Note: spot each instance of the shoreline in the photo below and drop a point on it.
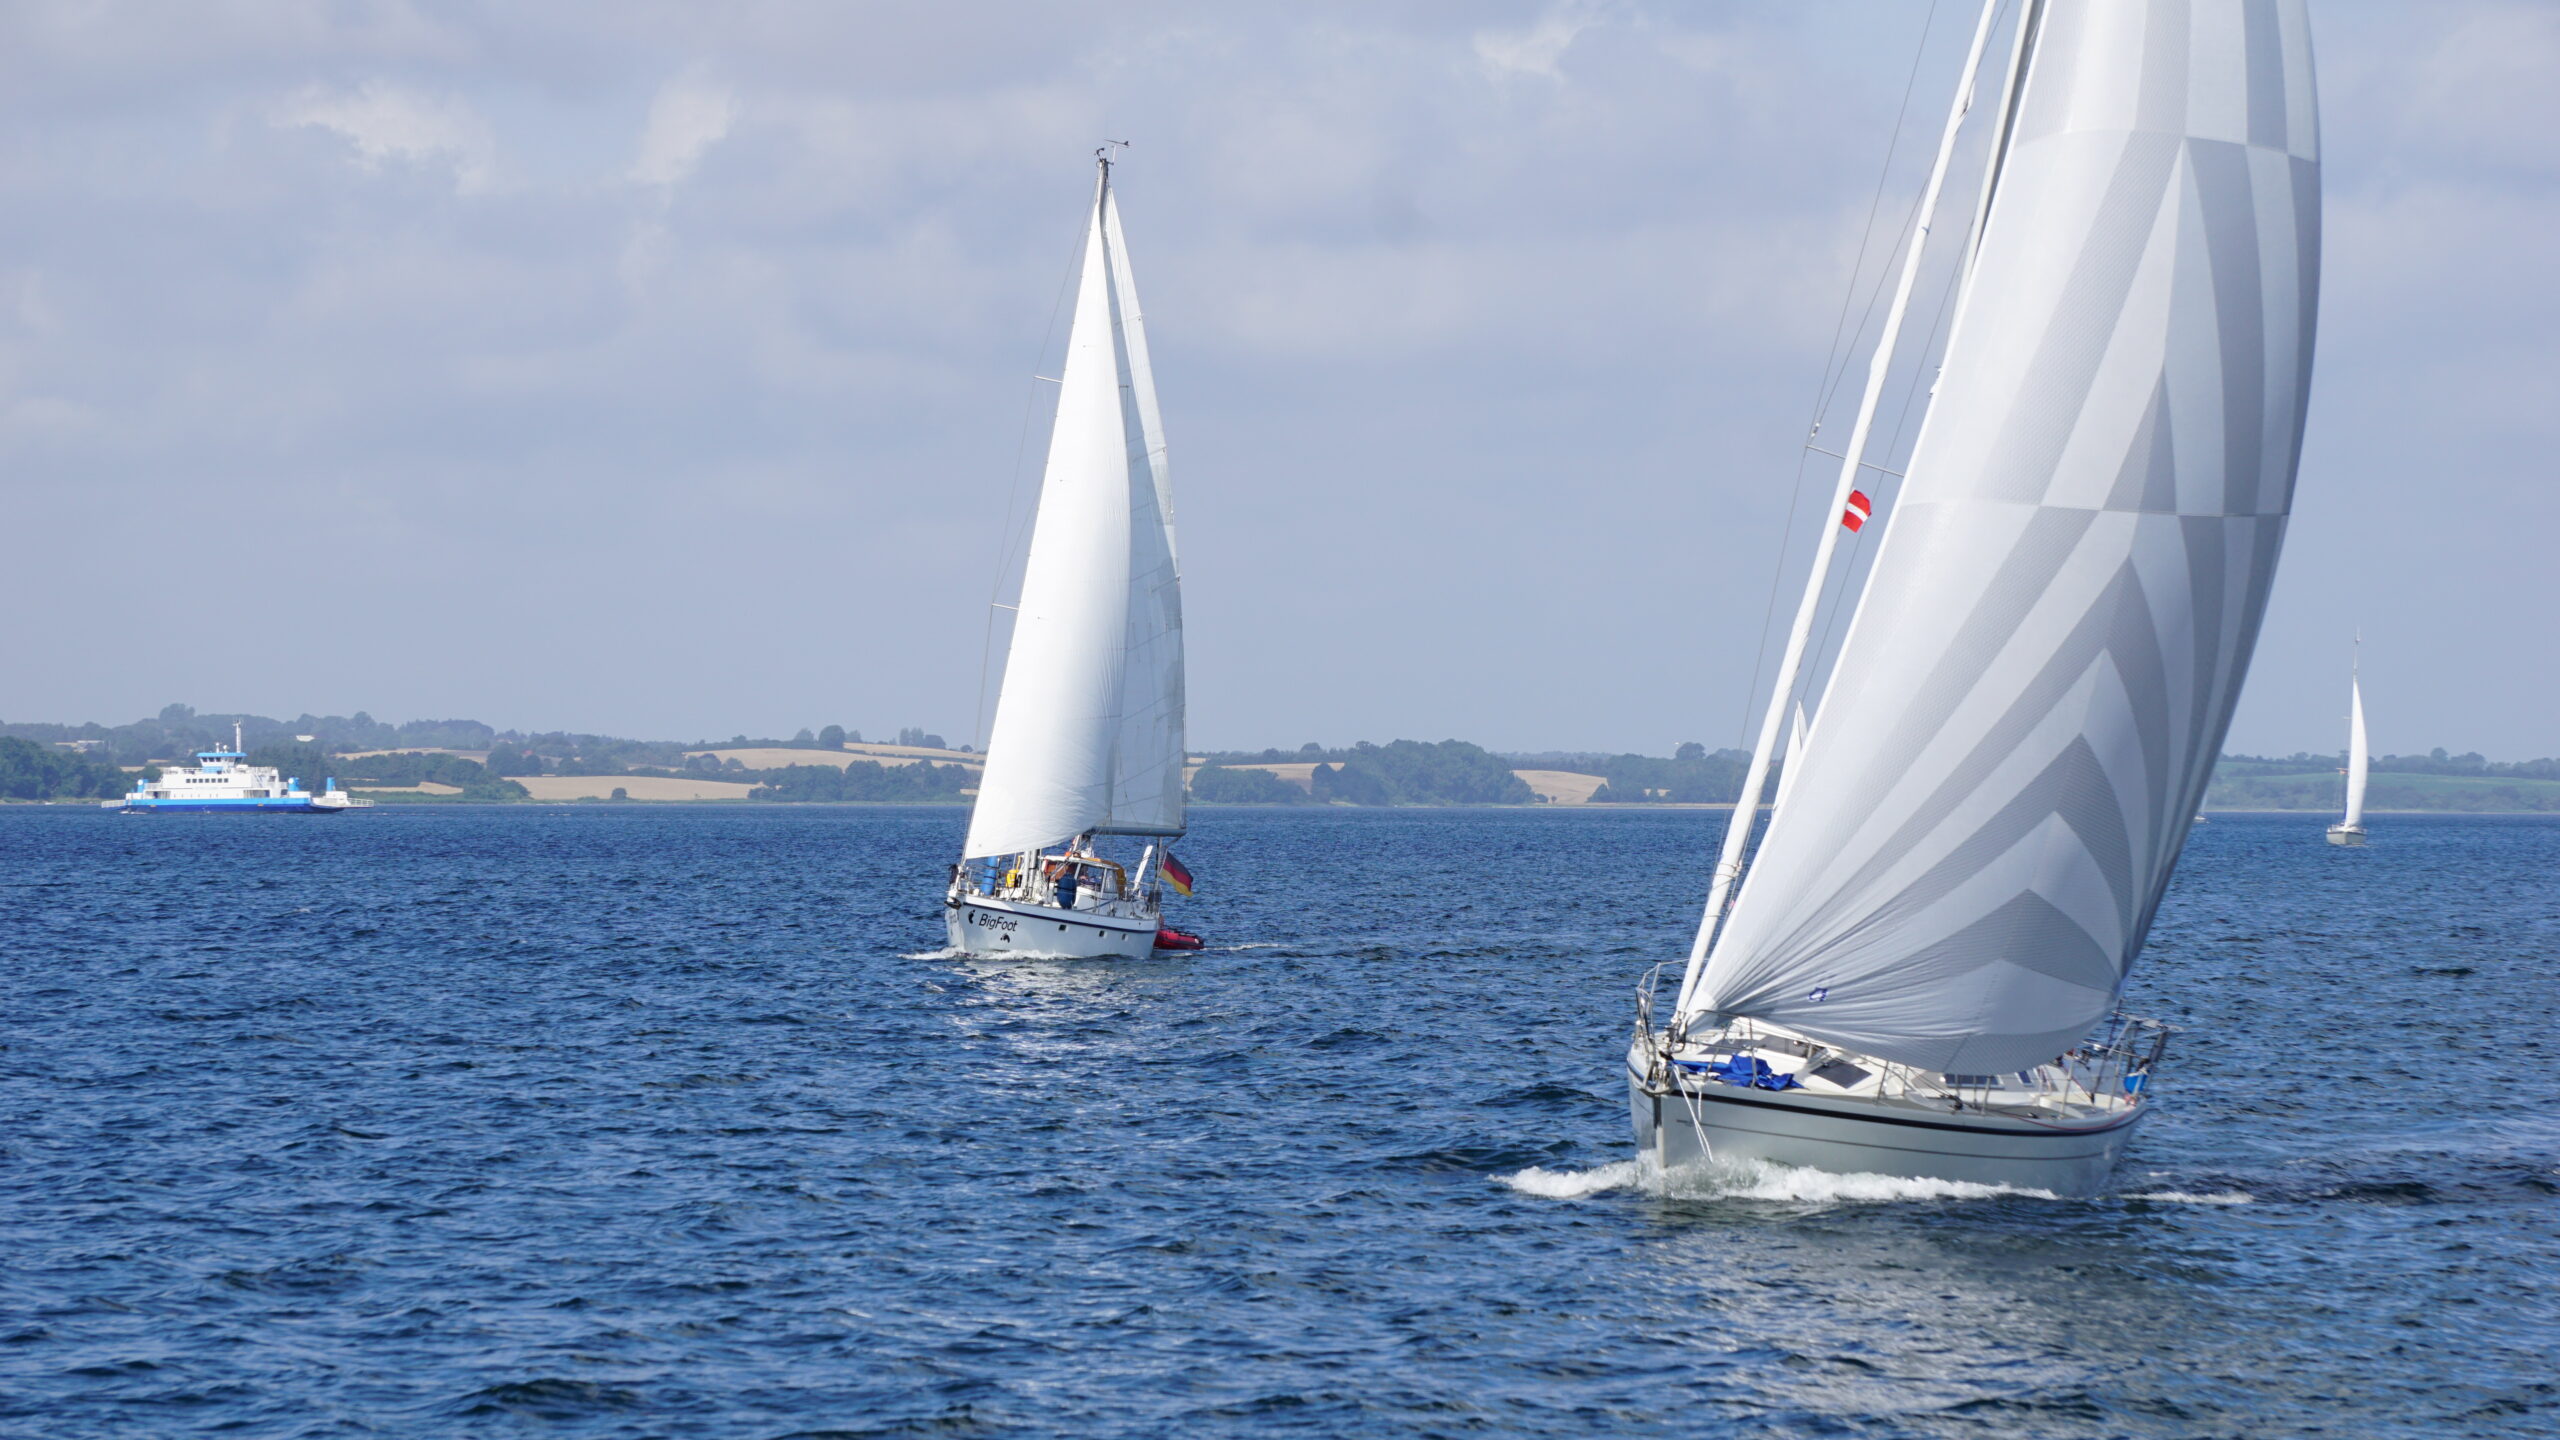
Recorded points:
(396, 800)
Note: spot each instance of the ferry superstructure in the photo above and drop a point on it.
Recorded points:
(225, 780)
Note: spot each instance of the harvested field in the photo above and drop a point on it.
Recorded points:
(1561, 787)
(638, 787)
(775, 757)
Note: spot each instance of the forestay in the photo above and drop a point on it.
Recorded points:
(2030, 698)
(1088, 732)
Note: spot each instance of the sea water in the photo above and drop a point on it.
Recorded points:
(633, 1121)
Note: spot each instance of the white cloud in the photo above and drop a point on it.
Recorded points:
(687, 118)
(388, 122)
(1388, 257)
(1539, 49)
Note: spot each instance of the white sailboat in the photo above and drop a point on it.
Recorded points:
(1918, 973)
(1088, 736)
(2350, 830)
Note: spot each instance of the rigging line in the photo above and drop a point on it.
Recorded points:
(1835, 363)
(1769, 612)
(1823, 390)
(1923, 379)
(1901, 237)
(1013, 502)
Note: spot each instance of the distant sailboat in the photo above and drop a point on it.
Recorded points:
(2350, 831)
(1918, 973)
(1088, 737)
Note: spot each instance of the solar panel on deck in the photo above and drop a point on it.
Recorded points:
(1842, 1074)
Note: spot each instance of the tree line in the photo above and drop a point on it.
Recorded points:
(1402, 772)
(30, 770)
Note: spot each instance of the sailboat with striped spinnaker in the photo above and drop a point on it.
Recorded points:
(1918, 972)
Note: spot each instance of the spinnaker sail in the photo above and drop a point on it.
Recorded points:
(2039, 674)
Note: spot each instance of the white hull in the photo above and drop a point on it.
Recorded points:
(1913, 1133)
(2346, 834)
(983, 927)
(1704, 1118)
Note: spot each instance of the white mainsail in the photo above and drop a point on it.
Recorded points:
(1088, 732)
(2355, 753)
(2030, 698)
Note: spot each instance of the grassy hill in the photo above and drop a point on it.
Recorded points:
(2383, 791)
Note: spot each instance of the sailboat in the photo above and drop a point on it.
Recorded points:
(1088, 734)
(2350, 830)
(1918, 970)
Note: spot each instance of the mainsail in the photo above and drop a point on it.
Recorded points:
(2355, 753)
(2030, 698)
(1088, 731)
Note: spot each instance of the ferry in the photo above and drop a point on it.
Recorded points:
(225, 780)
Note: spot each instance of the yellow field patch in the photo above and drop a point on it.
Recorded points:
(775, 757)
(1561, 787)
(636, 787)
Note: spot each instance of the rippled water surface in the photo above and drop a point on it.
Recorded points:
(631, 1121)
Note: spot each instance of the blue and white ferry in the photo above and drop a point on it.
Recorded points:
(225, 780)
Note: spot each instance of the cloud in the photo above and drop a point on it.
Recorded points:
(1539, 49)
(1438, 335)
(687, 118)
(387, 123)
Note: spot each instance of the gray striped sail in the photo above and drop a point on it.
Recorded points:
(2028, 704)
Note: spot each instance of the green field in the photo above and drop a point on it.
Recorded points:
(2326, 790)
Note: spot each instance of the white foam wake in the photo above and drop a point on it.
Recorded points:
(2189, 1197)
(1761, 1180)
(1574, 1184)
(1739, 1179)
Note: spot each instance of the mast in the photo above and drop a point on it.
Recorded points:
(1746, 806)
(2007, 119)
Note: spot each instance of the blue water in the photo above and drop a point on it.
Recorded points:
(638, 1122)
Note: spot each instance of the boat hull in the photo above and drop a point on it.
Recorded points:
(982, 927)
(2345, 835)
(206, 807)
(1706, 1119)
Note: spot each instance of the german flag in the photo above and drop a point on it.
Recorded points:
(1173, 873)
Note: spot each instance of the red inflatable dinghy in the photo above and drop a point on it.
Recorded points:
(1168, 938)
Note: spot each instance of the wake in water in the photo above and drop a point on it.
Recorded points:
(1741, 1179)
(1013, 956)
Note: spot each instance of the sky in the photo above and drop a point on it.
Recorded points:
(666, 370)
